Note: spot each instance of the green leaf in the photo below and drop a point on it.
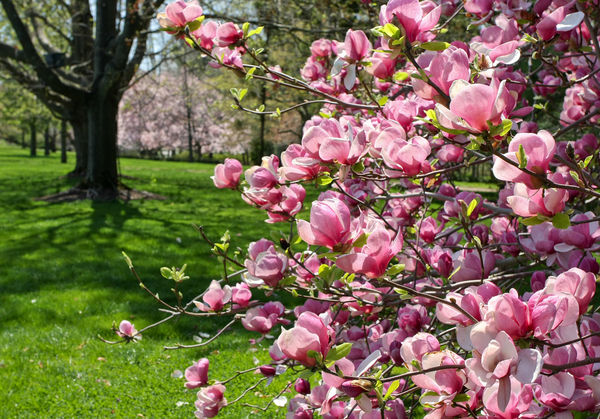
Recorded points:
(587, 161)
(435, 45)
(395, 269)
(532, 221)
(127, 260)
(390, 30)
(505, 127)
(324, 179)
(472, 207)
(461, 398)
(382, 100)
(561, 221)
(361, 241)
(339, 351)
(401, 76)
(166, 272)
(195, 24)
(256, 31)
(242, 93)
(316, 355)
(393, 386)
(521, 157)
(358, 167)
(250, 73)
(245, 28)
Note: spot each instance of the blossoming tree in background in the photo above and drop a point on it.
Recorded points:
(420, 298)
(152, 129)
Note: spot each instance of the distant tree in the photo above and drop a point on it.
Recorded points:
(152, 129)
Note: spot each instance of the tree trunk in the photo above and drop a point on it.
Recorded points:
(47, 141)
(63, 141)
(52, 139)
(32, 141)
(80, 136)
(101, 175)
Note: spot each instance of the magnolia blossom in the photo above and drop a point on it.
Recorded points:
(413, 16)
(373, 258)
(128, 331)
(227, 175)
(215, 298)
(197, 374)
(473, 106)
(178, 14)
(330, 224)
(262, 319)
(538, 149)
(210, 401)
(308, 334)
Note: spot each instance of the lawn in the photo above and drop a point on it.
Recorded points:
(63, 281)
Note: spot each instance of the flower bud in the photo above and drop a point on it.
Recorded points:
(302, 386)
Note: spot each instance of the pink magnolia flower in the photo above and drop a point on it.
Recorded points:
(228, 34)
(406, 156)
(472, 106)
(413, 16)
(197, 374)
(345, 150)
(298, 164)
(227, 175)
(205, 34)
(308, 334)
(549, 311)
(290, 203)
(265, 263)
(373, 258)
(497, 360)
(428, 229)
(215, 298)
(178, 14)
(210, 401)
(128, 331)
(330, 224)
(382, 65)
(452, 208)
(473, 301)
(262, 319)
(479, 8)
(445, 383)
(506, 312)
(321, 48)
(356, 46)
(583, 235)
(469, 265)
(443, 68)
(539, 150)
(528, 202)
(575, 282)
(241, 294)
(415, 347)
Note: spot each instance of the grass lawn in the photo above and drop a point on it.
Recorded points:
(63, 281)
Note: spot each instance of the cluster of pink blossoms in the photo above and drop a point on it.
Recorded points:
(419, 298)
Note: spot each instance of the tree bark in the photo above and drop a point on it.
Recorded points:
(80, 136)
(63, 141)
(47, 141)
(32, 140)
(102, 175)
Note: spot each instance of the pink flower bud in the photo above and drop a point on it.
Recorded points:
(227, 175)
(210, 401)
(302, 386)
(228, 34)
(197, 374)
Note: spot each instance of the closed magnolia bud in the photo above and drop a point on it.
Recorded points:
(302, 386)
(267, 370)
(355, 388)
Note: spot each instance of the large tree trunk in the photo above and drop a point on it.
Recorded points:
(63, 141)
(47, 141)
(80, 136)
(33, 140)
(102, 176)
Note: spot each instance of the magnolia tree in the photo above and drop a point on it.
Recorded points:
(419, 298)
(184, 108)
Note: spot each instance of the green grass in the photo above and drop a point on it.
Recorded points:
(63, 281)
